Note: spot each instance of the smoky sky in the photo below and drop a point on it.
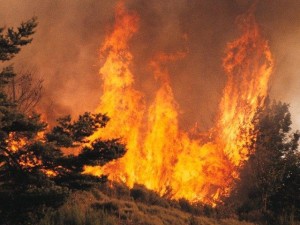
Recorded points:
(65, 50)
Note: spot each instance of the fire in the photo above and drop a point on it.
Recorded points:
(27, 161)
(248, 65)
(15, 143)
(160, 155)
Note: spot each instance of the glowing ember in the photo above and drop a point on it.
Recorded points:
(160, 156)
(15, 143)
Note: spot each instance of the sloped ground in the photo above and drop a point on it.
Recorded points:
(119, 205)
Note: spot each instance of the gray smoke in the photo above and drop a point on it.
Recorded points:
(65, 50)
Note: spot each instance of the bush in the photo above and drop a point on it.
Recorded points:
(139, 193)
(72, 215)
(142, 194)
(110, 207)
(193, 221)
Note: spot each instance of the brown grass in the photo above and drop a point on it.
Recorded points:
(101, 208)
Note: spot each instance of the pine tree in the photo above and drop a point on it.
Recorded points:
(34, 171)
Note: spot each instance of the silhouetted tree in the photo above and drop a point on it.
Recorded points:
(272, 170)
(25, 91)
(34, 171)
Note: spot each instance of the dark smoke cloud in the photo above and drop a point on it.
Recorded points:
(65, 49)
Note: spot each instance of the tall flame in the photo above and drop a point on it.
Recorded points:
(160, 155)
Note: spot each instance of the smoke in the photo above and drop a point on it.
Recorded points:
(280, 21)
(65, 50)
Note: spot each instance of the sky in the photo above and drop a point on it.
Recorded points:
(65, 50)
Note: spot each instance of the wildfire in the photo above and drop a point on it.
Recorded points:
(15, 143)
(160, 155)
(28, 161)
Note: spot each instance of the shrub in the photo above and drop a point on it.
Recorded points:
(110, 207)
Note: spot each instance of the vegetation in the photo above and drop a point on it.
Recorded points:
(268, 190)
(41, 185)
(34, 172)
(116, 204)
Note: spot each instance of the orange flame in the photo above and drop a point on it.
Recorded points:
(15, 143)
(160, 156)
(27, 161)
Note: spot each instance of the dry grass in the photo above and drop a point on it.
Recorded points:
(99, 208)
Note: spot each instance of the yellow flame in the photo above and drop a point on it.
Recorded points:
(160, 156)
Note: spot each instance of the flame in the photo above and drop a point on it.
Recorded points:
(120, 100)
(160, 155)
(15, 143)
(248, 65)
(27, 161)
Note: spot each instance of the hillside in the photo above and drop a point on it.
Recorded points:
(118, 205)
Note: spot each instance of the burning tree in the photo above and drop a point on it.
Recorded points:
(34, 171)
(268, 187)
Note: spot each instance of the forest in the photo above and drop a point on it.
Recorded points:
(41, 184)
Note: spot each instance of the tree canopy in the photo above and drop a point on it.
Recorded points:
(36, 174)
(268, 188)
(34, 171)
